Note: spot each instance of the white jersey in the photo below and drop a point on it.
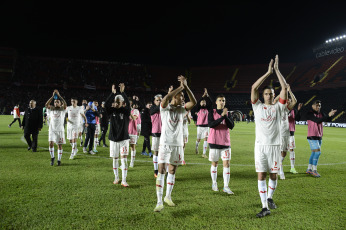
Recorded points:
(284, 125)
(74, 117)
(185, 124)
(57, 117)
(267, 122)
(172, 125)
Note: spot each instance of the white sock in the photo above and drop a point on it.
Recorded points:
(51, 152)
(71, 144)
(74, 149)
(293, 159)
(262, 189)
(281, 165)
(226, 176)
(95, 143)
(124, 169)
(310, 166)
(213, 173)
(59, 154)
(115, 168)
(170, 184)
(271, 187)
(160, 181)
(133, 156)
(314, 167)
(155, 162)
(205, 146)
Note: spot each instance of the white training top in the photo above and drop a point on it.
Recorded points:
(284, 125)
(172, 125)
(57, 117)
(267, 122)
(74, 117)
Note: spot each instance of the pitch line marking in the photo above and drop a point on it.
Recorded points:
(238, 165)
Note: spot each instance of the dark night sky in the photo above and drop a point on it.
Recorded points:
(172, 32)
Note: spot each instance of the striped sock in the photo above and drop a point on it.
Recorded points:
(262, 189)
(51, 152)
(160, 181)
(59, 154)
(226, 176)
(271, 187)
(205, 147)
(115, 168)
(170, 184)
(293, 159)
(213, 173)
(124, 169)
(155, 162)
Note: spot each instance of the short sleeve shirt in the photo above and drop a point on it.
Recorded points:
(267, 120)
(172, 125)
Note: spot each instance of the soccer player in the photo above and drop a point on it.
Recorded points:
(220, 121)
(104, 120)
(293, 116)
(285, 129)
(16, 116)
(155, 130)
(74, 114)
(97, 128)
(133, 131)
(171, 141)
(118, 131)
(267, 144)
(56, 132)
(186, 122)
(203, 106)
(315, 120)
(83, 127)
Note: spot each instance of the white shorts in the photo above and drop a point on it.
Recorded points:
(173, 155)
(292, 143)
(284, 143)
(116, 147)
(215, 154)
(72, 133)
(80, 128)
(57, 137)
(133, 139)
(97, 129)
(155, 143)
(267, 158)
(202, 132)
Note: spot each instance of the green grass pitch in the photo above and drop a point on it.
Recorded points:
(80, 193)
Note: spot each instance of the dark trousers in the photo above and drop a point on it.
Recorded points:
(146, 143)
(104, 130)
(90, 136)
(15, 119)
(31, 143)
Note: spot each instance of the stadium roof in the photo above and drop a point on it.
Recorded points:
(171, 33)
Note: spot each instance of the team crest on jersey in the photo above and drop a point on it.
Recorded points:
(121, 116)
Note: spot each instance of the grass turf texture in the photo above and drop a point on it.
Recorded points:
(80, 194)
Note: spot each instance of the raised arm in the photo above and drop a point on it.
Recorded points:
(49, 101)
(293, 98)
(283, 92)
(189, 105)
(170, 95)
(255, 87)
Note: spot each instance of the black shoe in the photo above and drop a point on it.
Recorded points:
(263, 213)
(271, 204)
(104, 145)
(59, 163)
(81, 143)
(34, 150)
(29, 148)
(52, 161)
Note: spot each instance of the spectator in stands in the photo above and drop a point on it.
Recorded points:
(32, 124)
(16, 116)
(315, 119)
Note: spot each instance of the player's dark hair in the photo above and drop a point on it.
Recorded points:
(316, 102)
(268, 87)
(220, 95)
